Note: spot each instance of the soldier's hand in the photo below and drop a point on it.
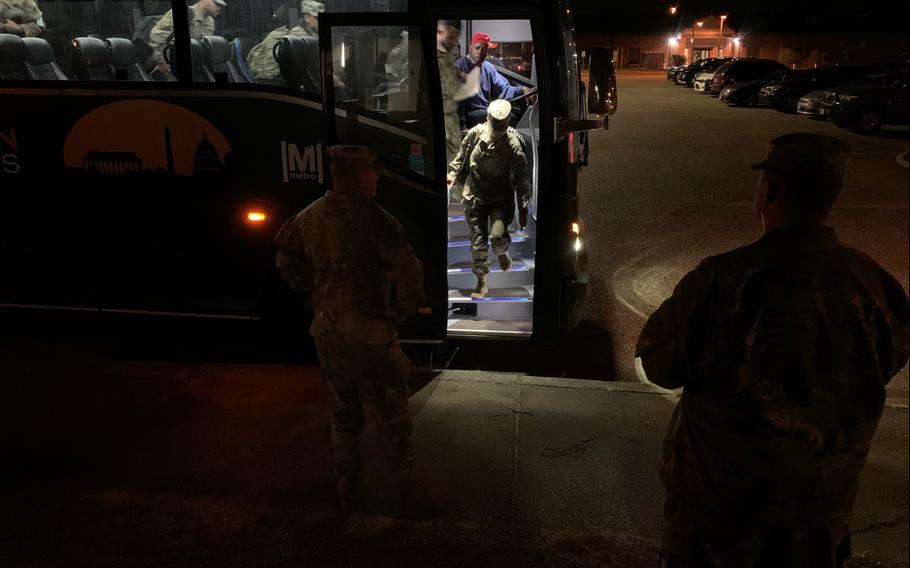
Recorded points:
(450, 179)
(162, 67)
(11, 27)
(523, 217)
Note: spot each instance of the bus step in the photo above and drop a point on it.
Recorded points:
(521, 274)
(467, 328)
(464, 240)
(498, 304)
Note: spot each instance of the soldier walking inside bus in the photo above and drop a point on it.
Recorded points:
(492, 166)
(202, 23)
(783, 348)
(364, 279)
(21, 18)
(260, 59)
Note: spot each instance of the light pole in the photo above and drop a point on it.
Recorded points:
(721, 43)
(692, 53)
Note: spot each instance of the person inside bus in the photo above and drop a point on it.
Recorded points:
(492, 84)
(492, 166)
(202, 23)
(21, 18)
(260, 59)
(452, 79)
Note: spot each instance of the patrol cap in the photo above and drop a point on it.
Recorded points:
(221, 2)
(805, 155)
(500, 109)
(483, 38)
(498, 112)
(312, 7)
(348, 153)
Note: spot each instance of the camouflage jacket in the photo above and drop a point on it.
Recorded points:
(25, 13)
(355, 260)
(492, 170)
(260, 59)
(163, 31)
(784, 348)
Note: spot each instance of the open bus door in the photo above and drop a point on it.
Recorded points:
(376, 92)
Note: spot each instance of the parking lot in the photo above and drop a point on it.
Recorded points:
(669, 184)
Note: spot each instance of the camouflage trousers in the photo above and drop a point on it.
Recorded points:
(376, 376)
(488, 222)
(453, 135)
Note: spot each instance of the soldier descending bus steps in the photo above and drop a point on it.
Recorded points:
(492, 166)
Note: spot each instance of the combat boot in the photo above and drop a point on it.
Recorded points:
(481, 289)
(415, 500)
(505, 261)
(347, 493)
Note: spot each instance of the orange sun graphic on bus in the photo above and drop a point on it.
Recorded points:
(144, 136)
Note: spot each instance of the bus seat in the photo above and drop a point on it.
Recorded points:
(126, 58)
(217, 58)
(200, 73)
(41, 60)
(14, 58)
(298, 60)
(239, 48)
(91, 58)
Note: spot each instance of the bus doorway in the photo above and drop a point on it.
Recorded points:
(506, 70)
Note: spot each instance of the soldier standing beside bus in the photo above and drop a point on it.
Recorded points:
(364, 279)
(492, 166)
(261, 60)
(21, 18)
(783, 348)
(202, 23)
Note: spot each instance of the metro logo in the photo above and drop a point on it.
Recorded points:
(9, 152)
(305, 166)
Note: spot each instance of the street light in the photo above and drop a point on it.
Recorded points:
(736, 42)
(673, 10)
(671, 43)
(721, 42)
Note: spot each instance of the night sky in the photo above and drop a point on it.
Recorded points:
(755, 15)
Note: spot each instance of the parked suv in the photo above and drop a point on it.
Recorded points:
(784, 95)
(867, 107)
(703, 78)
(686, 75)
(746, 93)
(740, 71)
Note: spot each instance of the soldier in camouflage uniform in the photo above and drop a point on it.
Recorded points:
(452, 79)
(492, 166)
(202, 23)
(364, 279)
(261, 60)
(783, 348)
(21, 18)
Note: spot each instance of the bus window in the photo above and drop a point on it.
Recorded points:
(254, 32)
(379, 75)
(103, 40)
(502, 53)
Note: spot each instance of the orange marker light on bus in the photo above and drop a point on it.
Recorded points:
(255, 216)
(575, 228)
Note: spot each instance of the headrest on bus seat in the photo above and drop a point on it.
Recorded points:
(216, 51)
(127, 60)
(200, 73)
(40, 51)
(12, 49)
(42, 60)
(238, 58)
(92, 51)
(298, 60)
(123, 52)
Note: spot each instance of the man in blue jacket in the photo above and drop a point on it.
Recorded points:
(493, 85)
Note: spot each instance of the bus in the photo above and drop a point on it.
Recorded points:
(149, 178)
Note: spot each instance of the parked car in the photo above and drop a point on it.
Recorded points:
(746, 94)
(686, 76)
(742, 70)
(672, 71)
(866, 108)
(785, 95)
(701, 78)
(812, 104)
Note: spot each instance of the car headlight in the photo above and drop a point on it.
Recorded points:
(847, 97)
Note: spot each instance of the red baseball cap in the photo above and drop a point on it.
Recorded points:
(483, 38)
